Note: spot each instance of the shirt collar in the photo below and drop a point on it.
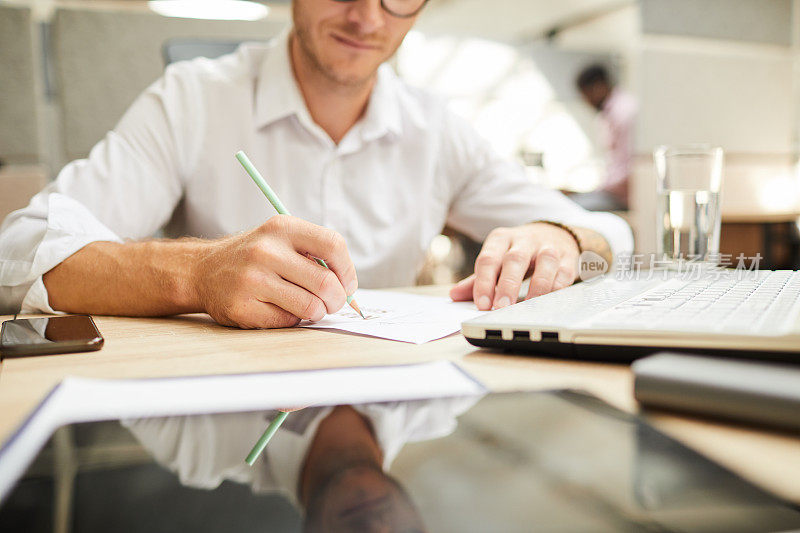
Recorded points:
(278, 96)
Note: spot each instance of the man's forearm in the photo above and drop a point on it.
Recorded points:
(150, 278)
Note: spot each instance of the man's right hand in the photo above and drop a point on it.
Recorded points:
(267, 277)
(263, 278)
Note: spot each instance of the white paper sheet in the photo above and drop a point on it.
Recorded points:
(400, 316)
(84, 400)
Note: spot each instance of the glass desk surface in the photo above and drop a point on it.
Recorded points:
(548, 461)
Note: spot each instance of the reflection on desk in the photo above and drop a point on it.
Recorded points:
(561, 461)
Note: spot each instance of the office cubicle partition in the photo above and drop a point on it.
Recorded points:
(105, 57)
(19, 141)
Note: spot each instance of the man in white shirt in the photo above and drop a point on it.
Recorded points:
(371, 168)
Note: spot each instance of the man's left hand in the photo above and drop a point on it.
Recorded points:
(509, 255)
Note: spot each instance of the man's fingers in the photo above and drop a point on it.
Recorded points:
(316, 279)
(564, 278)
(516, 262)
(487, 268)
(545, 269)
(275, 317)
(269, 301)
(462, 291)
(293, 298)
(317, 241)
(255, 314)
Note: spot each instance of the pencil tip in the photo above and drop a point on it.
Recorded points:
(354, 305)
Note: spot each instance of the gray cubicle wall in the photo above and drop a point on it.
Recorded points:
(19, 141)
(760, 21)
(743, 103)
(105, 58)
(720, 72)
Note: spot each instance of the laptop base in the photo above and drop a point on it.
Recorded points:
(616, 354)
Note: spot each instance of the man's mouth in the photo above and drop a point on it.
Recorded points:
(353, 43)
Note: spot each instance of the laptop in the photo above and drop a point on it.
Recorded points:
(720, 312)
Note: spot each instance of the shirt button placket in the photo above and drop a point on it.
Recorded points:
(337, 208)
(330, 190)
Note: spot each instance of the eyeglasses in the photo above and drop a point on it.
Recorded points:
(399, 8)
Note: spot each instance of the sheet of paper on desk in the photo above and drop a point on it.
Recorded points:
(400, 316)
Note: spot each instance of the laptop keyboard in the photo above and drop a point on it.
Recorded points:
(757, 303)
(579, 302)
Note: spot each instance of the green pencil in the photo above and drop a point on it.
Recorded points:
(262, 442)
(280, 208)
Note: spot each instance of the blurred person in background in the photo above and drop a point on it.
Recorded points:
(616, 111)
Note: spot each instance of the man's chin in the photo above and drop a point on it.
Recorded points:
(352, 68)
(352, 77)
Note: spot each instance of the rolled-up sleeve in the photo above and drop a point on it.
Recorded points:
(491, 192)
(126, 189)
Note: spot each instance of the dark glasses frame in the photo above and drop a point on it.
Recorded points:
(392, 13)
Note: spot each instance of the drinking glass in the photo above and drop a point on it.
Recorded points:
(689, 182)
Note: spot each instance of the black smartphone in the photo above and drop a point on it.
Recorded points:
(24, 337)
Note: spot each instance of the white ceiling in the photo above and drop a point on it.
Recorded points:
(510, 20)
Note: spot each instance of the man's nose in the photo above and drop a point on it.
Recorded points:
(368, 15)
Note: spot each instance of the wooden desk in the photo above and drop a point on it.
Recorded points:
(194, 345)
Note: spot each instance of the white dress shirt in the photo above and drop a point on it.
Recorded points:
(205, 450)
(404, 170)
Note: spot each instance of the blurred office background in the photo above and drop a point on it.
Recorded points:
(725, 72)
